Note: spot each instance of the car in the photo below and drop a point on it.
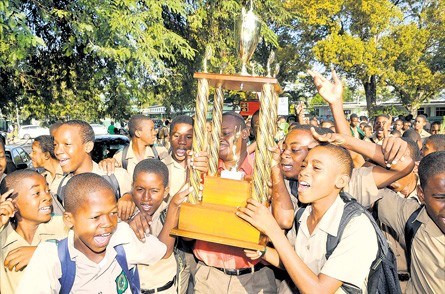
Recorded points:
(106, 146)
(30, 131)
(99, 129)
(17, 158)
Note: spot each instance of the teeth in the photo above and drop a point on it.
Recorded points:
(45, 208)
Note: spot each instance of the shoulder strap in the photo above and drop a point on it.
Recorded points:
(68, 267)
(132, 276)
(124, 157)
(297, 217)
(411, 227)
(61, 190)
(115, 184)
(155, 152)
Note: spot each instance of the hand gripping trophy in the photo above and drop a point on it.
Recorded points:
(213, 219)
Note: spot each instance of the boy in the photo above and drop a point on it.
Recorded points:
(433, 143)
(419, 126)
(150, 189)
(25, 213)
(91, 213)
(73, 143)
(324, 172)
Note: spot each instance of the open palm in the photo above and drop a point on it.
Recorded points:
(330, 92)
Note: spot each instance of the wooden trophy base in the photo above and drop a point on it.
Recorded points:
(214, 219)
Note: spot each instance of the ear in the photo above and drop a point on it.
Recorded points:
(89, 146)
(420, 194)
(342, 181)
(137, 133)
(166, 192)
(47, 155)
(68, 219)
(245, 134)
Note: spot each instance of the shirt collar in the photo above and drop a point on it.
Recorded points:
(168, 160)
(12, 236)
(245, 167)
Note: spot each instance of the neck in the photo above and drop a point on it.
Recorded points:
(322, 205)
(26, 229)
(408, 189)
(139, 148)
(51, 166)
(86, 167)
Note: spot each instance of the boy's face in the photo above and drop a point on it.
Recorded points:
(435, 129)
(380, 124)
(93, 223)
(181, 141)
(319, 176)
(402, 183)
(355, 122)
(2, 160)
(149, 192)
(69, 149)
(147, 132)
(434, 197)
(427, 149)
(368, 131)
(33, 201)
(295, 149)
(37, 156)
(406, 125)
(227, 135)
(398, 125)
(420, 123)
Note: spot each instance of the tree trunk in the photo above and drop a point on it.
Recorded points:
(370, 86)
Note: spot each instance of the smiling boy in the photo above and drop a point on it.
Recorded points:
(91, 213)
(25, 210)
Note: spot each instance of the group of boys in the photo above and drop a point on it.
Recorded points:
(113, 236)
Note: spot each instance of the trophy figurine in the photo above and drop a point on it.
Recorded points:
(247, 35)
(233, 172)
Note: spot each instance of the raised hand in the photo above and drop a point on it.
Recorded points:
(331, 92)
(19, 257)
(7, 209)
(333, 138)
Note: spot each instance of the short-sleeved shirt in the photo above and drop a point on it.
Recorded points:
(10, 240)
(428, 246)
(53, 182)
(111, 129)
(351, 260)
(44, 269)
(177, 175)
(424, 134)
(132, 160)
(224, 256)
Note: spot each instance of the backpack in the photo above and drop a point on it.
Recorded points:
(125, 151)
(69, 268)
(383, 277)
(411, 228)
(110, 179)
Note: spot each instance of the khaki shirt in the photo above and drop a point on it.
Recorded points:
(10, 240)
(44, 269)
(362, 185)
(424, 134)
(177, 175)
(352, 258)
(132, 160)
(428, 247)
(164, 271)
(53, 182)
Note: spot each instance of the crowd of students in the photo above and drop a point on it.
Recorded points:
(83, 227)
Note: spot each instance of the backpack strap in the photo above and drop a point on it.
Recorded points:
(411, 227)
(297, 217)
(68, 267)
(155, 152)
(61, 190)
(132, 276)
(115, 184)
(124, 157)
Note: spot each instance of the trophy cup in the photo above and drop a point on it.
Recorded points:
(214, 218)
(247, 35)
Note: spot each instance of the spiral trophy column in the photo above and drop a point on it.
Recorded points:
(202, 99)
(218, 104)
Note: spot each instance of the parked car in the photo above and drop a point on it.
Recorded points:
(28, 132)
(107, 145)
(99, 129)
(17, 158)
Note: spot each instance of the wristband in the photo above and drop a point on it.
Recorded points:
(264, 252)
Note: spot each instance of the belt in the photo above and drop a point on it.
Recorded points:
(160, 289)
(241, 271)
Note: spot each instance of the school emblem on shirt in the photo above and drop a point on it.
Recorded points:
(121, 283)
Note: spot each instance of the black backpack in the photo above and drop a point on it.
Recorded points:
(382, 278)
(125, 151)
(411, 227)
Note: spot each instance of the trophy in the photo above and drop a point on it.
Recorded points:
(214, 219)
(247, 35)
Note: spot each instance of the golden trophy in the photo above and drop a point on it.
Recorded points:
(214, 218)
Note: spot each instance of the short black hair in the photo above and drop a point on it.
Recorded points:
(436, 122)
(14, 180)
(368, 126)
(363, 118)
(437, 141)
(341, 155)
(182, 119)
(85, 130)
(430, 166)
(256, 113)
(353, 116)
(55, 126)
(422, 116)
(79, 188)
(152, 166)
(412, 134)
(46, 143)
(238, 118)
(396, 132)
(414, 151)
(381, 115)
(135, 123)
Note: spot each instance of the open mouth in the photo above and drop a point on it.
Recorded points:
(146, 207)
(181, 152)
(63, 162)
(103, 239)
(46, 209)
(286, 167)
(302, 186)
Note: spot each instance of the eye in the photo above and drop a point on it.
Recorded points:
(139, 189)
(113, 213)
(295, 150)
(95, 217)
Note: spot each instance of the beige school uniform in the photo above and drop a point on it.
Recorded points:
(44, 269)
(424, 134)
(53, 184)
(132, 160)
(177, 175)
(162, 272)
(352, 258)
(428, 247)
(10, 240)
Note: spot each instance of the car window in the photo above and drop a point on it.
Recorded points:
(16, 156)
(8, 154)
(25, 157)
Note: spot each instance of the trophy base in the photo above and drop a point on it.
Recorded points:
(215, 220)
